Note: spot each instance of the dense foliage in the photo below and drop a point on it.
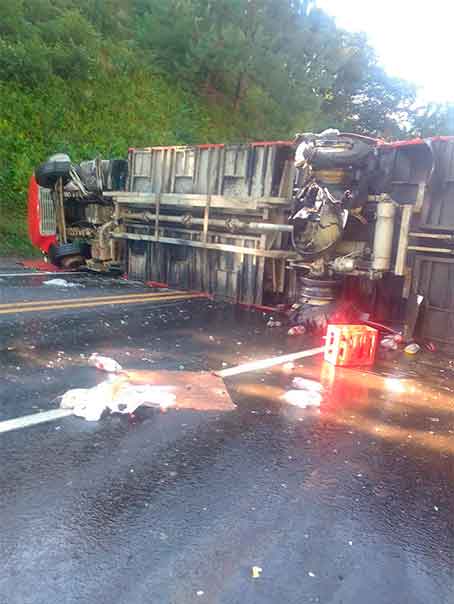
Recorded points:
(97, 76)
(434, 119)
(86, 118)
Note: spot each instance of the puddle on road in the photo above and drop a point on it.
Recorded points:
(377, 453)
(396, 404)
(400, 398)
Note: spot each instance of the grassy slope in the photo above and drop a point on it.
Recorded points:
(104, 116)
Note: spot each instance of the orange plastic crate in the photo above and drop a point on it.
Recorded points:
(351, 345)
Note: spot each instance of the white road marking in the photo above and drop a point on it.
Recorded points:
(49, 416)
(32, 420)
(267, 363)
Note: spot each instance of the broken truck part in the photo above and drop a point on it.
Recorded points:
(334, 224)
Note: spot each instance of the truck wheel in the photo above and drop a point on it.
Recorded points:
(57, 166)
(67, 255)
(317, 318)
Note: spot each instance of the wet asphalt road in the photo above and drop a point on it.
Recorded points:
(348, 503)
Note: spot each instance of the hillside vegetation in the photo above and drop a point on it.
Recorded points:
(97, 76)
(103, 116)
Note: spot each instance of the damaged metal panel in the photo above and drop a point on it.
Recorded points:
(249, 170)
(187, 204)
(438, 209)
(138, 260)
(228, 275)
(410, 170)
(421, 175)
(433, 278)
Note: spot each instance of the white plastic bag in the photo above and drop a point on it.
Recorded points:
(104, 363)
(72, 397)
(303, 398)
(116, 396)
(306, 384)
(92, 403)
(61, 283)
(130, 397)
(306, 393)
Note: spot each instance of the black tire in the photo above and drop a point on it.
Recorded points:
(322, 289)
(65, 251)
(48, 173)
(326, 158)
(316, 318)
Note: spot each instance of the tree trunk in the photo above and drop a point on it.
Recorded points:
(240, 89)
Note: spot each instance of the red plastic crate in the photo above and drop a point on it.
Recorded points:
(351, 345)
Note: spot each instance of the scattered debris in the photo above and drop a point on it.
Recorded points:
(61, 283)
(132, 396)
(256, 571)
(303, 398)
(273, 323)
(89, 403)
(430, 346)
(306, 393)
(389, 343)
(104, 363)
(116, 396)
(412, 348)
(72, 397)
(306, 384)
(297, 330)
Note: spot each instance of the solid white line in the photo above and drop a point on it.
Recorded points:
(48, 416)
(267, 363)
(33, 419)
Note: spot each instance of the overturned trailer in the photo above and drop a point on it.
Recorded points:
(331, 223)
(211, 217)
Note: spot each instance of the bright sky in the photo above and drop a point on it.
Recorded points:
(413, 39)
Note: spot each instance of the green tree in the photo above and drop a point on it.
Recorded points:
(291, 51)
(39, 39)
(362, 97)
(434, 119)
